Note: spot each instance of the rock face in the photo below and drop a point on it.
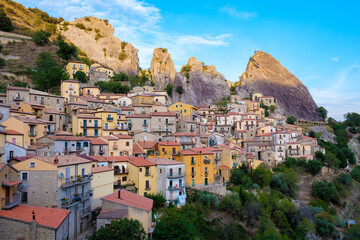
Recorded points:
(162, 68)
(96, 38)
(202, 85)
(264, 74)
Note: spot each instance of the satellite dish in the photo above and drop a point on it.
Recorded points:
(22, 187)
(62, 175)
(26, 146)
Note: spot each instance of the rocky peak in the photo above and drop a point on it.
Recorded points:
(264, 74)
(96, 38)
(162, 68)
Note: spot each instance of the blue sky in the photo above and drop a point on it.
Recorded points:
(318, 41)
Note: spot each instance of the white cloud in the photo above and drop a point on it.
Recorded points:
(335, 59)
(314, 77)
(218, 40)
(234, 11)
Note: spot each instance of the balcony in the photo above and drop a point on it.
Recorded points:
(109, 119)
(85, 212)
(76, 181)
(18, 98)
(187, 142)
(206, 174)
(68, 203)
(120, 172)
(176, 153)
(32, 133)
(176, 175)
(147, 188)
(87, 195)
(176, 187)
(169, 122)
(86, 126)
(147, 173)
(207, 161)
(10, 202)
(42, 102)
(101, 150)
(192, 162)
(77, 149)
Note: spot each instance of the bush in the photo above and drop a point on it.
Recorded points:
(290, 162)
(208, 199)
(262, 176)
(2, 63)
(325, 191)
(65, 50)
(80, 76)
(345, 180)
(291, 120)
(278, 183)
(313, 167)
(353, 130)
(122, 55)
(312, 134)
(179, 89)
(322, 112)
(231, 204)
(320, 156)
(325, 229)
(5, 22)
(40, 38)
(80, 25)
(355, 173)
(169, 89)
(158, 198)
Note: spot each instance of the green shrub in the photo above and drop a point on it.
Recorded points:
(80, 25)
(231, 204)
(158, 198)
(313, 167)
(179, 89)
(325, 191)
(40, 38)
(122, 55)
(290, 162)
(345, 180)
(208, 199)
(355, 173)
(325, 229)
(80, 76)
(5, 22)
(2, 63)
(169, 89)
(262, 176)
(291, 120)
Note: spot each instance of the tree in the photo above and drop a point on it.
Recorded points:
(262, 176)
(231, 204)
(325, 191)
(313, 167)
(114, 87)
(291, 120)
(120, 77)
(65, 50)
(322, 112)
(278, 183)
(320, 156)
(40, 38)
(174, 225)
(5, 22)
(239, 177)
(179, 89)
(325, 229)
(122, 229)
(158, 198)
(353, 233)
(169, 89)
(2, 63)
(312, 134)
(331, 160)
(345, 180)
(355, 173)
(80, 76)
(291, 178)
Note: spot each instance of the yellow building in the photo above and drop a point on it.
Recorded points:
(86, 125)
(90, 91)
(120, 166)
(199, 166)
(143, 174)
(68, 88)
(183, 108)
(119, 145)
(109, 121)
(96, 67)
(15, 137)
(142, 99)
(31, 128)
(2, 141)
(9, 178)
(37, 109)
(73, 66)
(166, 149)
(102, 184)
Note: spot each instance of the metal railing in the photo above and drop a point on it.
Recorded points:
(76, 180)
(109, 119)
(119, 172)
(10, 202)
(148, 188)
(176, 187)
(148, 173)
(169, 122)
(85, 211)
(18, 98)
(32, 133)
(176, 175)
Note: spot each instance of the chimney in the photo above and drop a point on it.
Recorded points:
(119, 194)
(56, 160)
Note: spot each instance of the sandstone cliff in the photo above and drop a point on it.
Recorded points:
(96, 38)
(202, 84)
(162, 68)
(264, 74)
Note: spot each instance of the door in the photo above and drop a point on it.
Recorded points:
(206, 181)
(67, 174)
(7, 195)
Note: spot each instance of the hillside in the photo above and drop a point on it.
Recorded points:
(264, 74)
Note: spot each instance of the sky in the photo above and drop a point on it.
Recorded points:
(318, 41)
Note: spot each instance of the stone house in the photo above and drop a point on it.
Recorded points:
(99, 147)
(13, 150)
(139, 122)
(163, 123)
(67, 145)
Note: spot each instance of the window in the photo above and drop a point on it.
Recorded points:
(192, 160)
(32, 165)
(140, 169)
(86, 144)
(180, 182)
(147, 184)
(127, 144)
(147, 171)
(159, 119)
(184, 110)
(106, 125)
(83, 172)
(96, 132)
(24, 176)
(85, 132)
(159, 127)
(124, 179)
(11, 153)
(24, 197)
(160, 170)
(57, 101)
(74, 66)
(35, 98)
(81, 67)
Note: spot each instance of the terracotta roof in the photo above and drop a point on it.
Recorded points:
(192, 151)
(68, 138)
(97, 158)
(39, 146)
(11, 183)
(113, 214)
(62, 133)
(164, 161)
(12, 132)
(101, 169)
(224, 146)
(65, 160)
(2, 165)
(17, 88)
(29, 120)
(170, 114)
(53, 111)
(137, 149)
(97, 141)
(130, 199)
(185, 134)
(87, 116)
(225, 167)
(70, 81)
(168, 143)
(146, 144)
(122, 136)
(47, 217)
(138, 116)
(140, 162)
(118, 158)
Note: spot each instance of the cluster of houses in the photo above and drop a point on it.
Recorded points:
(65, 157)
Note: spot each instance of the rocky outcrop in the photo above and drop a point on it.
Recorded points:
(202, 85)
(96, 38)
(264, 74)
(162, 68)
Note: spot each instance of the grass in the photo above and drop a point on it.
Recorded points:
(14, 37)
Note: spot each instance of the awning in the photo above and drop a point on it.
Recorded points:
(10, 183)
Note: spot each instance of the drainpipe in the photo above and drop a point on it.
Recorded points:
(34, 222)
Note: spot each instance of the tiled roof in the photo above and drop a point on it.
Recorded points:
(113, 214)
(140, 162)
(146, 144)
(179, 134)
(17, 88)
(97, 141)
(53, 111)
(87, 116)
(68, 138)
(118, 158)
(169, 114)
(192, 151)
(38, 146)
(2, 165)
(12, 132)
(48, 217)
(62, 133)
(224, 146)
(138, 116)
(164, 161)
(101, 169)
(224, 167)
(168, 143)
(97, 158)
(130, 199)
(29, 120)
(137, 149)
(122, 136)
(65, 160)
(70, 81)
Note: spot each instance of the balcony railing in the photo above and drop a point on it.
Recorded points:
(85, 212)
(176, 187)
(32, 133)
(193, 163)
(207, 161)
(169, 122)
(76, 181)
(18, 98)
(109, 119)
(206, 174)
(176, 153)
(187, 142)
(87, 195)
(119, 172)
(148, 173)
(10, 202)
(147, 188)
(77, 149)
(176, 175)
(68, 203)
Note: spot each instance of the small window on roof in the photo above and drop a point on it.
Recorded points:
(32, 165)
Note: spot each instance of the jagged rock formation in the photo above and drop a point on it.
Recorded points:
(202, 84)
(264, 74)
(162, 68)
(242, 92)
(96, 38)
